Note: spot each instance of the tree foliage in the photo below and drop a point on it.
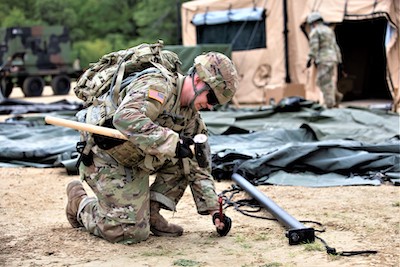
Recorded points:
(99, 26)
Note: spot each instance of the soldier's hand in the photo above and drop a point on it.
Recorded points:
(183, 149)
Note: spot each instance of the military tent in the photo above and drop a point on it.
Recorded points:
(270, 44)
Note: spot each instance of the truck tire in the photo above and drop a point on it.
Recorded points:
(6, 87)
(33, 86)
(61, 85)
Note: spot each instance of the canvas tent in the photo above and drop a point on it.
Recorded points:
(270, 46)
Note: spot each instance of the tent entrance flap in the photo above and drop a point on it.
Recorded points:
(362, 43)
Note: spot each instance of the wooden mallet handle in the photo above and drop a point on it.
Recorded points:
(85, 127)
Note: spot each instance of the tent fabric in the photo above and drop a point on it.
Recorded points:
(303, 146)
(224, 16)
(263, 71)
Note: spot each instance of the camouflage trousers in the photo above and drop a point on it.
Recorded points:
(325, 72)
(120, 212)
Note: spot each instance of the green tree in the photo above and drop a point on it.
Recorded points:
(56, 12)
(102, 18)
(17, 17)
(17, 13)
(157, 20)
(91, 51)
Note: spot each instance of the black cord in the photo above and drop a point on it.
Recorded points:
(332, 251)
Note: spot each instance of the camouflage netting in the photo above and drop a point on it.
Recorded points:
(302, 146)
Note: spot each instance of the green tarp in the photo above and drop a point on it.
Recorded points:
(307, 146)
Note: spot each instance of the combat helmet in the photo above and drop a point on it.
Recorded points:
(313, 17)
(219, 72)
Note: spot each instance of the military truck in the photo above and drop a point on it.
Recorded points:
(32, 57)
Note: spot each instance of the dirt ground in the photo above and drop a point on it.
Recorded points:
(35, 232)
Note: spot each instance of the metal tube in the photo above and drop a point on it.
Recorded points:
(281, 215)
(297, 232)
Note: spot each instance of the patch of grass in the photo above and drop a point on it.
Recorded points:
(241, 240)
(208, 241)
(272, 264)
(333, 257)
(184, 262)
(158, 253)
(261, 237)
(229, 251)
(396, 204)
(245, 245)
(313, 247)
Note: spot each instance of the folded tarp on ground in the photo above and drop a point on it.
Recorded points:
(27, 141)
(307, 147)
(14, 106)
(294, 157)
(310, 147)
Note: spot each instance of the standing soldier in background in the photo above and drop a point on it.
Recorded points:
(325, 53)
(158, 112)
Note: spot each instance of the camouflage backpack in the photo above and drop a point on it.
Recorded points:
(112, 68)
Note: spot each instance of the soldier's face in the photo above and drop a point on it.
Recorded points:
(201, 101)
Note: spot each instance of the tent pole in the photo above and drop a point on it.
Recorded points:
(297, 232)
(285, 33)
(178, 22)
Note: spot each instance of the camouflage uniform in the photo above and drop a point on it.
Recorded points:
(150, 115)
(326, 55)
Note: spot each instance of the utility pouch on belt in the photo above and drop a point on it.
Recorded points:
(105, 142)
(86, 159)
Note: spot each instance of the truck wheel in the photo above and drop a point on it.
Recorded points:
(6, 87)
(33, 86)
(61, 85)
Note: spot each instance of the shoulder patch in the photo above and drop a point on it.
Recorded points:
(156, 95)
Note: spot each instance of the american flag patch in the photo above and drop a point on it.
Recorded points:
(156, 96)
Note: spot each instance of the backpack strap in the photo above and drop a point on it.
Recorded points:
(117, 80)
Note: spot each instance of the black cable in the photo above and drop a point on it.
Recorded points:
(332, 251)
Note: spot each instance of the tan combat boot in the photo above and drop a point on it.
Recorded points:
(159, 225)
(75, 193)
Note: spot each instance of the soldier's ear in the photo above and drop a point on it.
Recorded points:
(197, 79)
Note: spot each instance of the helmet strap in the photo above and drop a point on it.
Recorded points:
(196, 92)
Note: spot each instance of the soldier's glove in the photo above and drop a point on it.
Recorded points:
(183, 148)
(308, 63)
(227, 224)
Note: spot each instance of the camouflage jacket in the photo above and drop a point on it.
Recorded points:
(323, 46)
